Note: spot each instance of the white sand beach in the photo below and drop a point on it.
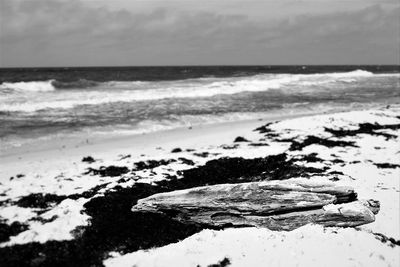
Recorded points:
(370, 165)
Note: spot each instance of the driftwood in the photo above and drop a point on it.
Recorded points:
(277, 205)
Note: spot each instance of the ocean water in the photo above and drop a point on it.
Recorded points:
(36, 104)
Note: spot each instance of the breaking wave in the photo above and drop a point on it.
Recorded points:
(40, 86)
(130, 91)
(51, 85)
(47, 86)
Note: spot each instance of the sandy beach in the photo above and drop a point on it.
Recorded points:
(229, 133)
(58, 196)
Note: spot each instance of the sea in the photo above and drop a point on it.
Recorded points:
(38, 104)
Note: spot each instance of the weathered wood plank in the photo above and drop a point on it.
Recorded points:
(278, 205)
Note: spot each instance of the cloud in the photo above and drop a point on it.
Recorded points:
(60, 32)
(368, 36)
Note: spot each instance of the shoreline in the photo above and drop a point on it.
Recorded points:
(53, 195)
(64, 150)
(149, 144)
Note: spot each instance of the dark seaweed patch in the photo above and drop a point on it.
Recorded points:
(121, 157)
(44, 201)
(312, 157)
(223, 263)
(17, 176)
(229, 147)
(88, 159)
(337, 161)
(151, 164)
(13, 229)
(238, 170)
(114, 227)
(385, 239)
(42, 220)
(88, 194)
(311, 140)
(264, 129)
(176, 150)
(365, 128)
(41, 201)
(110, 171)
(187, 161)
(240, 139)
(387, 165)
(258, 144)
(202, 154)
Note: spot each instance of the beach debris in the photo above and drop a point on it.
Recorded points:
(110, 171)
(264, 128)
(277, 205)
(88, 159)
(222, 263)
(310, 158)
(258, 144)
(176, 150)
(230, 147)
(10, 230)
(266, 131)
(202, 154)
(238, 169)
(311, 140)
(18, 176)
(187, 161)
(387, 165)
(385, 239)
(365, 128)
(151, 164)
(121, 157)
(39, 200)
(45, 220)
(240, 139)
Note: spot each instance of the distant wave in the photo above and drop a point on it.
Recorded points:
(81, 83)
(355, 73)
(51, 85)
(40, 86)
(145, 91)
(133, 91)
(46, 86)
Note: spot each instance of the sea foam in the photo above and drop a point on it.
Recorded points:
(274, 82)
(131, 91)
(36, 86)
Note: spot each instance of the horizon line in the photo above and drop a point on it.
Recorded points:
(211, 65)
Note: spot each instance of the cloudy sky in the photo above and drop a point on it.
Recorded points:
(202, 32)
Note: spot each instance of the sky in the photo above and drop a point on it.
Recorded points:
(39, 33)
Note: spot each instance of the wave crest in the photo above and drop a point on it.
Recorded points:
(132, 91)
(81, 83)
(46, 86)
(37, 86)
(355, 73)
